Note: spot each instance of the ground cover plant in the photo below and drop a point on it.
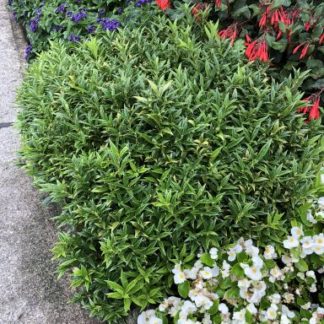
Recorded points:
(71, 20)
(158, 141)
(285, 33)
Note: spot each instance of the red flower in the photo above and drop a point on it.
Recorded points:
(163, 4)
(321, 39)
(312, 107)
(230, 32)
(264, 17)
(303, 53)
(218, 3)
(275, 17)
(307, 26)
(256, 50)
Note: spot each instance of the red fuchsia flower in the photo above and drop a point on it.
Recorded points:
(264, 17)
(307, 26)
(231, 32)
(304, 46)
(321, 39)
(312, 107)
(274, 17)
(257, 49)
(218, 3)
(163, 4)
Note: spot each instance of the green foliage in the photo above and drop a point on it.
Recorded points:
(157, 141)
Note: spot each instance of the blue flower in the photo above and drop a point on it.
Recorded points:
(74, 38)
(28, 51)
(91, 29)
(61, 8)
(77, 17)
(109, 24)
(34, 25)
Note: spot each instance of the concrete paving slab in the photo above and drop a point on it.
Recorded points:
(29, 290)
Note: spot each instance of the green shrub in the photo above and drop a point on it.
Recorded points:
(157, 140)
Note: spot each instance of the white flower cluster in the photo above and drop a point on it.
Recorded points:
(244, 285)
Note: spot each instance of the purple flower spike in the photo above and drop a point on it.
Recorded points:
(109, 24)
(28, 51)
(74, 38)
(61, 8)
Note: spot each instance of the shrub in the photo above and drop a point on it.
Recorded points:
(157, 141)
(289, 33)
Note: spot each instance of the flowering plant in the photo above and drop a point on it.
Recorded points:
(246, 284)
(70, 20)
(287, 34)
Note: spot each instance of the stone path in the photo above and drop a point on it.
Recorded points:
(29, 292)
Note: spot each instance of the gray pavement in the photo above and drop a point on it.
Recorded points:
(29, 291)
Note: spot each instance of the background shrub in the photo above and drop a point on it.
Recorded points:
(157, 141)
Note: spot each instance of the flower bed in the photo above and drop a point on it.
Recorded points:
(159, 141)
(70, 20)
(285, 34)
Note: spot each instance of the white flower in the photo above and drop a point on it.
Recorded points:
(307, 245)
(179, 276)
(252, 309)
(321, 203)
(313, 288)
(223, 308)
(239, 317)
(252, 272)
(287, 312)
(269, 252)
(319, 243)
(171, 302)
(186, 321)
(276, 274)
(306, 306)
(259, 291)
(275, 298)
(144, 317)
(203, 302)
(191, 273)
(311, 274)
(155, 320)
(207, 319)
(288, 297)
(290, 243)
(286, 260)
(271, 313)
(206, 273)
(284, 320)
(320, 270)
(187, 308)
(311, 218)
(296, 232)
(244, 283)
(252, 250)
(213, 253)
(257, 261)
(225, 269)
(231, 254)
(215, 271)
